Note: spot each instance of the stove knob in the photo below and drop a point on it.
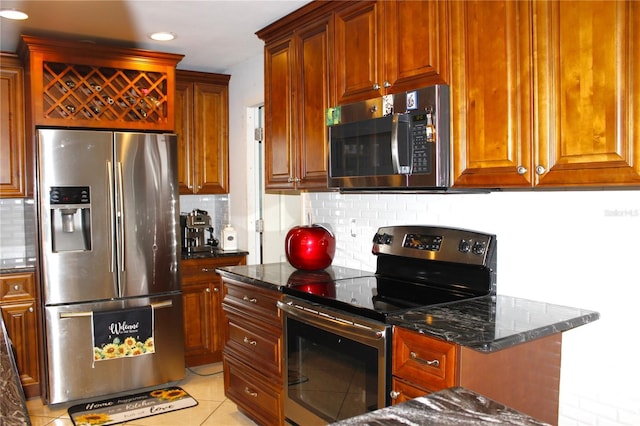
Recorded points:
(479, 247)
(464, 246)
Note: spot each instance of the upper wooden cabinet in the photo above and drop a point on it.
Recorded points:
(587, 87)
(13, 166)
(541, 93)
(389, 47)
(86, 85)
(491, 93)
(297, 94)
(202, 125)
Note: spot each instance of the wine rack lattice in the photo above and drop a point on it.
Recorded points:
(82, 92)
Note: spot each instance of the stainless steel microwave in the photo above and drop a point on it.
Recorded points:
(398, 142)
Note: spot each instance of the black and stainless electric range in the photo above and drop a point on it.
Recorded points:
(337, 343)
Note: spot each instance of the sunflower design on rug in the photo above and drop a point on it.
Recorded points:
(168, 394)
(92, 419)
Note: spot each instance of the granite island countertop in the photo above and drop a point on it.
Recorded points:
(486, 324)
(453, 406)
(13, 409)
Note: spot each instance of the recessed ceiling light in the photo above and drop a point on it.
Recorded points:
(13, 14)
(162, 36)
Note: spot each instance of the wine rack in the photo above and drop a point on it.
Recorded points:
(101, 93)
(75, 84)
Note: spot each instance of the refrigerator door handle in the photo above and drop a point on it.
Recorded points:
(120, 217)
(159, 305)
(112, 220)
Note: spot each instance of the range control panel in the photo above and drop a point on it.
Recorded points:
(435, 243)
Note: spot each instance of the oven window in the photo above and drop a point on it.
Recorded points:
(332, 376)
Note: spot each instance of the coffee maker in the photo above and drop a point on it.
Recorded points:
(193, 227)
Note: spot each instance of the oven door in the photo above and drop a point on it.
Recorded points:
(336, 364)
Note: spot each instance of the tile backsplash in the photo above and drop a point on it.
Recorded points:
(17, 232)
(217, 206)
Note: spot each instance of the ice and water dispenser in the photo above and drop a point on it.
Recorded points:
(70, 210)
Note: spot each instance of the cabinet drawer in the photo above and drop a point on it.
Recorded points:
(252, 300)
(252, 392)
(425, 361)
(254, 344)
(17, 287)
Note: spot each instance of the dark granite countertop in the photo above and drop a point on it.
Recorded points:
(17, 265)
(453, 406)
(491, 323)
(276, 276)
(485, 324)
(215, 252)
(13, 409)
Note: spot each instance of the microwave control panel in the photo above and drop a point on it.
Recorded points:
(422, 137)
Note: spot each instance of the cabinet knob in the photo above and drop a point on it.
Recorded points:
(31, 309)
(386, 84)
(16, 287)
(216, 290)
(394, 394)
(521, 170)
(540, 170)
(376, 86)
(208, 290)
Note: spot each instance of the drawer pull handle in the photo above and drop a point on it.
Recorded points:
(208, 270)
(16, 287)
(250, 392)
(432, 363)
(250, 341)
(248, 299)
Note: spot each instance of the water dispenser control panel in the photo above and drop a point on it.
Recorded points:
(69, 195)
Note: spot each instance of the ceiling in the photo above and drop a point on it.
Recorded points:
(214, 35)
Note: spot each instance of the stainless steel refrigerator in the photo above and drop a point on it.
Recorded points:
(109, 249)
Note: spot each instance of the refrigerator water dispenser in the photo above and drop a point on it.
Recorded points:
(70, 218)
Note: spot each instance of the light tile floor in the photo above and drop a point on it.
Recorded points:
(204, 383)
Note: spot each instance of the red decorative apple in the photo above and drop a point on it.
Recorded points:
(310, 247)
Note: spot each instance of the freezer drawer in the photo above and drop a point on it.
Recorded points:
(72, 373)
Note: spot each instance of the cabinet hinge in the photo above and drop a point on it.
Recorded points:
(258, 134)
(259, 225)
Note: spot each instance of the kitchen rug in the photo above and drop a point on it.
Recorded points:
(126, 408)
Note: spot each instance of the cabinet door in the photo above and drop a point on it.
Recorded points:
(416, 44)
(358, 46)
(12, 136)
(199, 329)
(184, 120)
(491, 93)
(588, 76)
(211, 134)
(315, 97)
(21, 323)
(279, 81)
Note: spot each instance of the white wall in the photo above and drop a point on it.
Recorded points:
(579, 249)
(246, 90)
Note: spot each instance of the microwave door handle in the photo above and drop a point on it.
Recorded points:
(395, 156)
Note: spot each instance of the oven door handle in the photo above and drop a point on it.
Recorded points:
(347, 328)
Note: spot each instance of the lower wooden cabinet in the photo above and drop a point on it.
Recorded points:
(201, 299)
(19, 312)
(525, 377)
(253, 351)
